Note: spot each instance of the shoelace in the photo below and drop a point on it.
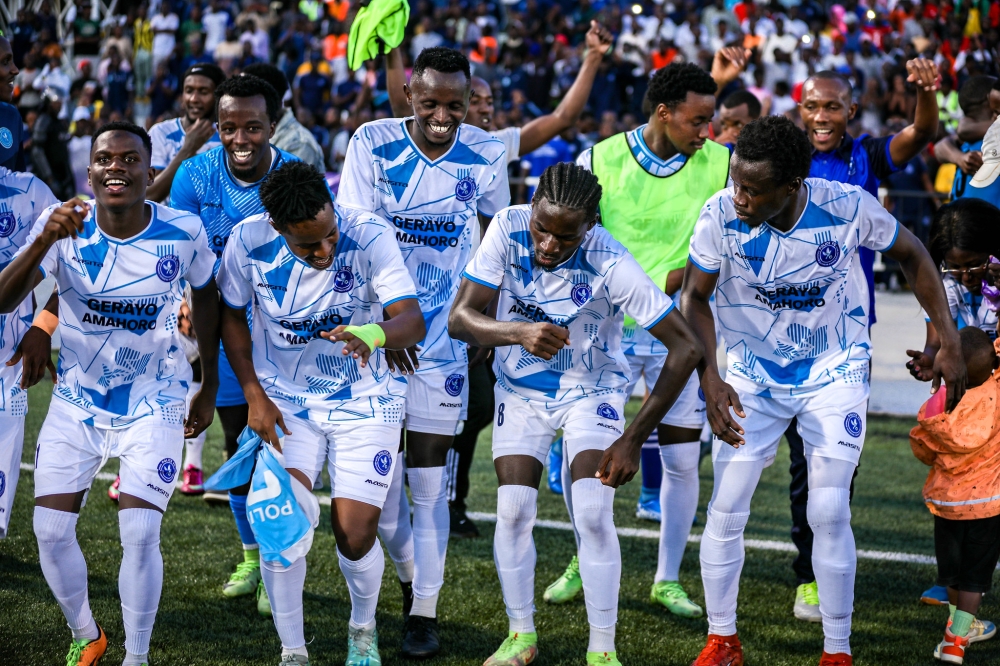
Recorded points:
(810, 594)
(292, 659)
(75, 652)
(573, 570)
(674, 590)
(244, 569)
(362, 640)
(717, 647)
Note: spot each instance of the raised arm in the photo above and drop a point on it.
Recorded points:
(205, 319)
(727, 65)
(908, 143)
(395, 79)
(541, 130)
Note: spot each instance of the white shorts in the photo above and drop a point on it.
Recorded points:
(437, 401)
(832, 422)
(360, 455)
(11, 441)
(70, 454)
(528, 428)
(689, 409)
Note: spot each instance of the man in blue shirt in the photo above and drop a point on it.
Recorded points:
(826, 108)
(11, 150)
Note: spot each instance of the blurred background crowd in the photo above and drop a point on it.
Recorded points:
(83, 64)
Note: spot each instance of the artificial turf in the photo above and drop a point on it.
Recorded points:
(196, 625)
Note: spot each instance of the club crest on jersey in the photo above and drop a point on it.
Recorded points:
(382, 462)
(852, 424)
(581, 293)
(465, 188)
(606, 411)
(7, 223)
(343, 280)
(6, 137)
(167, 469)
(168, 267)
(3, 483)
(453, 385)
(828, 253)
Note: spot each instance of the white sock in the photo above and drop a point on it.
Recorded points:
(364, 578)
(394, 528)
(132, 659)
(514, 553)
(567, 485)
(678, 504)
(64, 568)
(431, 526)
(140, 578)
(284, 590)
(600, 559)
(192, 451)
(835, 562)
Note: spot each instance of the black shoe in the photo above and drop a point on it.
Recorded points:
(407, 589)
(461, 526)
(421, 638)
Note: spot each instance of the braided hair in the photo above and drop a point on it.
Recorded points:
(569, 186)
(293, 193)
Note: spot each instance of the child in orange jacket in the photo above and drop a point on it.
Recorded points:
(963, 491)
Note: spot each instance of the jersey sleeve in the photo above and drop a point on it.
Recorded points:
(357, 180)
(496, 196)
(41, 196)
(586, 159)
(490, 261)
(706, 242)
(633, 291)
(235, 288)
(159, 159)
(390, 278)
(202, 261)
(878, 155)
(49, 264)
(877, 228)
(182, 192)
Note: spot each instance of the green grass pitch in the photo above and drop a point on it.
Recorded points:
(197, 626)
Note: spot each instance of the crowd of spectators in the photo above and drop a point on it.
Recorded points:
(84, 70)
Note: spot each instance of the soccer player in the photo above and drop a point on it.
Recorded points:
(11, 125)
(656, 178)
(738, 110)
(120, 264)
(25, 198)
(826, 108)
(222, 187)
(313, 366)
(780, 255)
(564, 287)
(178, 139)
(437, 181)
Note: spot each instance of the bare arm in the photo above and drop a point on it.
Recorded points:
(205, 319)
(947, 150)
(395, 79)
(907, 144)
(196, 136)
(541, 130)
(727, 65)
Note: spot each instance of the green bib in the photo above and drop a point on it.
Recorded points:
(653, 216)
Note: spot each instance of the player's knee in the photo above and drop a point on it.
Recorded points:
(52, 526)
(356, 545)
(725, 526)
(515, 506)
(592, 508)
(139, 528)
(828, 506)
(681, 459)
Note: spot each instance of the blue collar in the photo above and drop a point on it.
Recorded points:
(843, 151)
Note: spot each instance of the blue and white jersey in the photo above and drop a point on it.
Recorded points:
(168, 137)
(308, 376)
(204, 186)
(22, 199)
(122, 358)
(646, 158)
(588, 294)
(793, 307)
(968, 309)
(433, 207)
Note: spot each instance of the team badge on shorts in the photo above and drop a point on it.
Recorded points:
(606, 411)
(7, 223)
(828, 253)
(168, 267)
(382, 462)
(581, 293)
(453, 385)
(167, 469)
(852, 424)
(343, 280)
(6, 137)
(465, 189)
(3, 483)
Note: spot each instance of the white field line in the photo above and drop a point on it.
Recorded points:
(759, 544)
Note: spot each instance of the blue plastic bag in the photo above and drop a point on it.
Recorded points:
(236, 471)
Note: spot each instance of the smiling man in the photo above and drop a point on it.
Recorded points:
(222, 187)
(315, 366)
(564, 288)
(11, 150)
(437, 182)
(780, 254)
(121, 264)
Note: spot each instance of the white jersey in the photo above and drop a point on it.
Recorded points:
(23, 198)
(168, 137)
(121, 357)
(588, 294)
(433, 207)
(793, 307)
(968, 309)
(511, 137)
(293, 303)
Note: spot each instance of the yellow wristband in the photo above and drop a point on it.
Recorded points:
(371, 334)
(46, 321)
